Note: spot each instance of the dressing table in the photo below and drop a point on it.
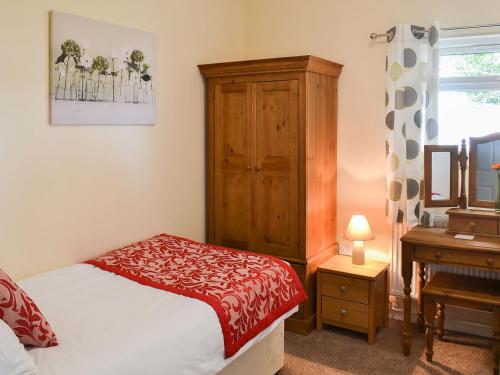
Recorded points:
(424, 245)
(434, 245)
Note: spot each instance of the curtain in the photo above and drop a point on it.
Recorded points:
(412, 88)
(412, 78)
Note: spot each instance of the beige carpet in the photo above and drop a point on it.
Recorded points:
(336, 351)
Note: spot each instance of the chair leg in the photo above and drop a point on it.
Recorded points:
(496, 341)
(430, 313)
(440, 321)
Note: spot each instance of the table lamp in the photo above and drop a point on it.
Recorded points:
(358, 231)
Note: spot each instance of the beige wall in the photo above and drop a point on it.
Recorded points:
(68, 193)
(339, 30)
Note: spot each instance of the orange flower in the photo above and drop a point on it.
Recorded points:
(496, 167)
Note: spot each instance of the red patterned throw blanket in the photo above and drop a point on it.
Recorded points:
(247, 291)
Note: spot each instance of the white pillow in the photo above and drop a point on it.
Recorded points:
(14, 359)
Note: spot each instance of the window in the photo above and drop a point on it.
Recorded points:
(469, 92)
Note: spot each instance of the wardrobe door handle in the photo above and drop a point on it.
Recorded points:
(249, 167)
(343, 312)
(257, 168)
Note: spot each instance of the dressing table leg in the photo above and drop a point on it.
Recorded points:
(430, 314)
(420, 287)
(440, 321)
(496, 340)
(407, 273)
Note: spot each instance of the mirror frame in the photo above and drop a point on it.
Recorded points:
(473, 142)
(428, 151)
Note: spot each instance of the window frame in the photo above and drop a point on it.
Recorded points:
(469, 45)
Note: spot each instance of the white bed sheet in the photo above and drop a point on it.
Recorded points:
(107, 324)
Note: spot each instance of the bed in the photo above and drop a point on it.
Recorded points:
(108, 324)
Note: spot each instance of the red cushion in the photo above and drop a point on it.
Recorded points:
(23, 316)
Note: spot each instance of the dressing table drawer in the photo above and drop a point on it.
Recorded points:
(473, 225)
(433, 255)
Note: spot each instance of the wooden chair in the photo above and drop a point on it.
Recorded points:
(465, 291)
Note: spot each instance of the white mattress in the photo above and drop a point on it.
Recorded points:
(107, 324)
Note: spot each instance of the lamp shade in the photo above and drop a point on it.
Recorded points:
(358, 229)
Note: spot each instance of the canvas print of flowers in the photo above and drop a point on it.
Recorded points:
(100, 73)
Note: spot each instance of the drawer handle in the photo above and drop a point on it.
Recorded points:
(438, 254)
(343, 312)
(343, 289)
(472, 226)
(489, 261)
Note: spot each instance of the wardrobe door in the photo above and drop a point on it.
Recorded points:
(276, 173)
(233, 164)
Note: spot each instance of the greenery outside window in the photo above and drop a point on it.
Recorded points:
(469, 98)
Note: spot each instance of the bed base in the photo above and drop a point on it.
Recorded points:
(266, 357)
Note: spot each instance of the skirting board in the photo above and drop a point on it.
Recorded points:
(457, 319)
(265, 357)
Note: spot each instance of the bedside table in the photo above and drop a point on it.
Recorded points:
(353, 296)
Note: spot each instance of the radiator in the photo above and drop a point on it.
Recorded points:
(466, 271)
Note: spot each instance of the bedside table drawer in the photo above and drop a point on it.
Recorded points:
(346, 288)
(341, 311)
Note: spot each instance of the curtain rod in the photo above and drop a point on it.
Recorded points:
(374, 36)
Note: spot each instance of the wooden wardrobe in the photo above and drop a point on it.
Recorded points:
(272, 163)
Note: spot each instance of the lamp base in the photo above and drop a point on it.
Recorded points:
(358, 253)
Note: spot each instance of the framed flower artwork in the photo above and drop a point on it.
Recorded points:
(100, 74)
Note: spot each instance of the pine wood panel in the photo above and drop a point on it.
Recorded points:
(321, 163)
(435, 245)
(468, 288)
(473, 221)
(348, 288)
(338, 310)
(432, 254)
(233, 151)
(276, 111)
(343, 266)
(284, 203)
(274, 65)
(363, 305)
(474, 226)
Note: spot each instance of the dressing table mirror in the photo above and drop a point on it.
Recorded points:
(483, 181)
(440, 176)
(441, 184)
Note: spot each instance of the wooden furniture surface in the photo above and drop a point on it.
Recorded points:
(474, 222)
(435, 245)
(474, 142)
(353, 296)
(464, 291)
(271, 163)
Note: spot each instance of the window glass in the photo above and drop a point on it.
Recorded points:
(469, 98)
(464, 114)
(469, 65)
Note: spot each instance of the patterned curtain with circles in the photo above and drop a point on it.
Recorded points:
(412, 78)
